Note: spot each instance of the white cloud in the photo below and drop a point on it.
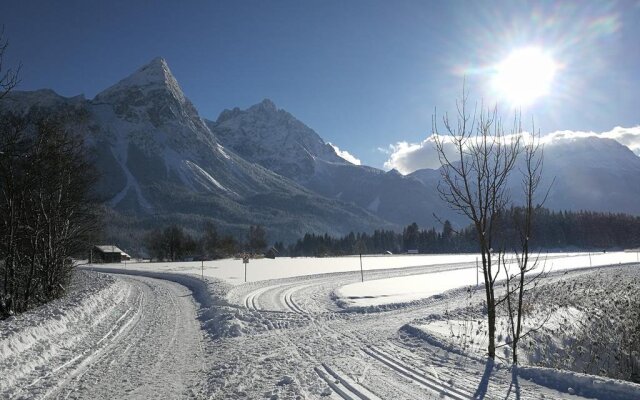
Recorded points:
(345, 155)
(408, 157)
(629, 137)
(385, 151)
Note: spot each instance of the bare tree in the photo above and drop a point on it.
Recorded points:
(256, 238)
(45, 211)
(9, 78)
(13, 193)
(11, 144)
(210, 241)
(477, 158)
(524, 278)
(171, 243)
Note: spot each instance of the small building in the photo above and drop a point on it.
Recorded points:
(272, 253)
(108, 254)
(412, 251)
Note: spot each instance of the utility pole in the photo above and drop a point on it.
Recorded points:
(202, 268)
(361, 273)
(590, 265)
(477, 273)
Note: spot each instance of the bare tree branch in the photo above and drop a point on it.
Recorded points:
(9, 78)
(474, 180)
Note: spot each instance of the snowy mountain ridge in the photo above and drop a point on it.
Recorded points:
(158, 157)
(160, 163)
(152, 76)
(588, 173)
(274, 139)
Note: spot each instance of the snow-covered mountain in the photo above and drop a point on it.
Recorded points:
(583, 173)
(160, 162)
(278, 141)
(590, 173)
(274, 139)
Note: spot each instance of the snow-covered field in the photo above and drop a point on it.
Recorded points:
(162, 330)
(584, 323)
(232, 270)
(415, 287)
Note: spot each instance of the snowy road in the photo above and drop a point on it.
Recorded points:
(144, 342)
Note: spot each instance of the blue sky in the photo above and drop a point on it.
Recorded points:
(363, 74)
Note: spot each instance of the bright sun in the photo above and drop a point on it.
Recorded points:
(524, 76)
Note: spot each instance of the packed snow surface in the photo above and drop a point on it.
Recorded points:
(124, 337)
(162, 330)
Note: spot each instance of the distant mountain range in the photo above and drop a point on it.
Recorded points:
(160, 162)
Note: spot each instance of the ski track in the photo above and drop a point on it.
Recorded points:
(356, 355)
(148, 344)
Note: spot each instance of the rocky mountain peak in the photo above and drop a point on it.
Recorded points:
(273, 138)
(153, 76)
(265, 105)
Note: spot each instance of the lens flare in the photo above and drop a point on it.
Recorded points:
(524, 76)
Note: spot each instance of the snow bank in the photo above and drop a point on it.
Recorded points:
(581, 384)
(574, 383)
(436, 340)
(27, 340)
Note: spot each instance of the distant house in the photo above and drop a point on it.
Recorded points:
(271, 253)
(412, 251)
(108, 254)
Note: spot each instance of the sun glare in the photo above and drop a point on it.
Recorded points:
(524, 76)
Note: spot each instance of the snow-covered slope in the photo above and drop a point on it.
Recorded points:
(592, 174)
(587, 173)
(274, 139)
(278, 141)
(160, 162)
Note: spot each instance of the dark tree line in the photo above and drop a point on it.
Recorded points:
(550, 230)
(46, 215)
(173, 243)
